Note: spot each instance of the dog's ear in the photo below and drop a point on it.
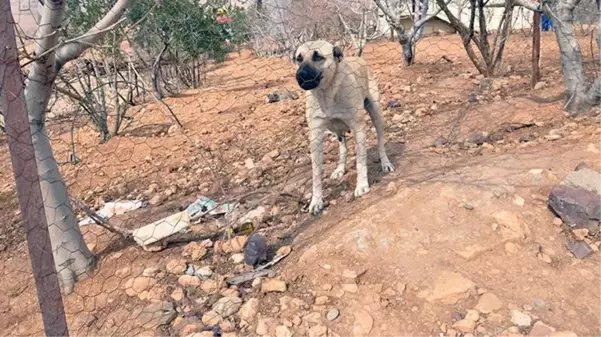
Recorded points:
(337, 54)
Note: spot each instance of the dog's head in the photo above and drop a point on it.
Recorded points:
(317, 62)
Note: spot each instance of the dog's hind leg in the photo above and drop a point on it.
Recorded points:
(341, 168)
(373, 107)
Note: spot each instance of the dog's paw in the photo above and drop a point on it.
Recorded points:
(387, 167)
(316, 205)
(338, 173)
(361, 190)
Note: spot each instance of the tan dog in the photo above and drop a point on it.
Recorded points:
(338, 89)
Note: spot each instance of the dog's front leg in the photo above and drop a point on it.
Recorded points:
(341, 168)
(360, 140)
(316, 136)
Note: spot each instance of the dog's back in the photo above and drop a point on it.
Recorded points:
(360, 70)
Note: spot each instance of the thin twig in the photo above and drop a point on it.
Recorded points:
(99, 220)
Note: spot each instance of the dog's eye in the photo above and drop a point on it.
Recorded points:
(317, 57)
(299, 59)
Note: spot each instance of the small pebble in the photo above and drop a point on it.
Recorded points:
(469, 207)
(332, 314)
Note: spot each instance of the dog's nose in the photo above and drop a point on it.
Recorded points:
(308, 78)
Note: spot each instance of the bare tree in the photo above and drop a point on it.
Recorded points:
(73, 259)
(408, 39)
(579, 98)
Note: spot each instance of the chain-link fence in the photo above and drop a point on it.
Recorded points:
(150, 139)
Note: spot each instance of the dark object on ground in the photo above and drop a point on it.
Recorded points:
(577, 207)
(255, 250)
(393, 103)
(580, 249)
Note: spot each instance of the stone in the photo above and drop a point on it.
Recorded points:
(393, 103)
(256, 283)
(350, 274)
(211, 318)
(255, 250)
(195, 251)
(519, 200)
(150, 272)
(472, 315)
(544, 257)
(313, 317)
(282, 331)
(332, 314)
(177, 294)
(263, 326)
(204, 272)
(580, 249)
(520, 319)
(449, 288)
(284, 250)
(156, 200)
(249, 163)
(391, 188)
(440, 142)
(511, 248)
(401, 287)
(273, 285)
(495, 318)
(230, 292)
(189, 281)
(155, 314)
(350, 287)
(540, 329)
(234, 245)
(136, 286)
(464, 326)
(557, 222)
(237, 258)
(363, 323)
(189, 329)
(580, 233)
(451, 333)
(249, 310)
(578, 208)
(176, 266)
(227, 306)
(271, 155)
(211, 286)
(563, 334)
(318, 331)
(208, 333)
(488, 302)
(584, 178)
(321, 300)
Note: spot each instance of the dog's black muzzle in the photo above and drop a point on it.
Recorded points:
(308, 78)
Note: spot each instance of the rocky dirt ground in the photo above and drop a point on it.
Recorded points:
(458, 241)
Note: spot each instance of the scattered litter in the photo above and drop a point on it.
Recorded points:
(161, 229)
(250, 276)
(256, 215)
(111, 209)
(205, 206)
(261, 270)
(189, 270)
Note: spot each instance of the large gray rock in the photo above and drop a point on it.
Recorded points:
(577, 207)
(585, 178)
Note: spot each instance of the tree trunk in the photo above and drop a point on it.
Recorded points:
(561, 14)
(12, 100)
(71, 254)
(599, 39)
